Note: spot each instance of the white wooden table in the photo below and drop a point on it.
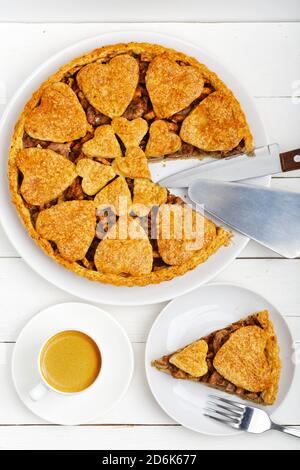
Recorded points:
(266, 57)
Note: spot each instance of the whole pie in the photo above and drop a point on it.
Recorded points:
(79, 156)
(241, 359)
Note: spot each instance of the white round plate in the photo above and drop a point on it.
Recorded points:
(56, 274)
(194, 315)
(116, 370)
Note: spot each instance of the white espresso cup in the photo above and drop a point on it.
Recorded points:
(43, 387)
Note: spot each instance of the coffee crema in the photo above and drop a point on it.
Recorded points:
(70, 361)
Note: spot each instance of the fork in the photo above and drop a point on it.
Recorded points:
(245, 418)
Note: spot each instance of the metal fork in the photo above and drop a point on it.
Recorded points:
(245, 418)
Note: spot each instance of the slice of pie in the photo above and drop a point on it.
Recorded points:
(241, 359)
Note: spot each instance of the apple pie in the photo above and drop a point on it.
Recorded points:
(80, 153)
(241, 359)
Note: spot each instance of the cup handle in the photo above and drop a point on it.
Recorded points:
(37, 392)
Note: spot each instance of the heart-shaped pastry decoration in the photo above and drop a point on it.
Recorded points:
(110, 87)
(59, 117)
(243, 361)
(147, 194)
(71, 225)
(172, 87)
(134, 164)
(116, 195)
(46, 175)
(192, 359)
(162, 140)
(103, 144)
(182, 232)
(94, 175)
(215, 124)
(130, 132)
(125, 250)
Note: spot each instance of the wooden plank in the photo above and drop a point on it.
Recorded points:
(270, 277)
(276, 279)
(275, 112)
(273, 277)
(155, 10)
(18, 304)
(142, 437)
(131, 410)
(228, 42)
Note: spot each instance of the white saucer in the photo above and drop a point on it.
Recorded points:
(115, 375)
(191, 316)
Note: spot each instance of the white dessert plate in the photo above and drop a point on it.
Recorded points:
(192, 316)
(115, 374)
(56, 274)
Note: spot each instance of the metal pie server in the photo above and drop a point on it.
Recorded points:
(266, 160)
(269, 216)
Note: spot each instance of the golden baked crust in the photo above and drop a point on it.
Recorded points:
(103, 144)
(70, 225)
(46, 174)
(101, 138)
(58, 118)
(215, 124)
(129, 252)
(177, 243)
(272, 353)
(242, 359)
(134, 164)
(147, 194)
(111, 195)
(94, 175)
(162, 140)
(130, 132)
(110, 87)
(192, 359)
(172, 87)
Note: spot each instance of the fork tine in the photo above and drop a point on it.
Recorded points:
(221, 413)
(223, 421)
(237, 414)
(232, 403)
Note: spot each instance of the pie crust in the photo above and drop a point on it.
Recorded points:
(241, 359)
(105, 111)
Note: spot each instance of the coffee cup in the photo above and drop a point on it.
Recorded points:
(69, 363)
